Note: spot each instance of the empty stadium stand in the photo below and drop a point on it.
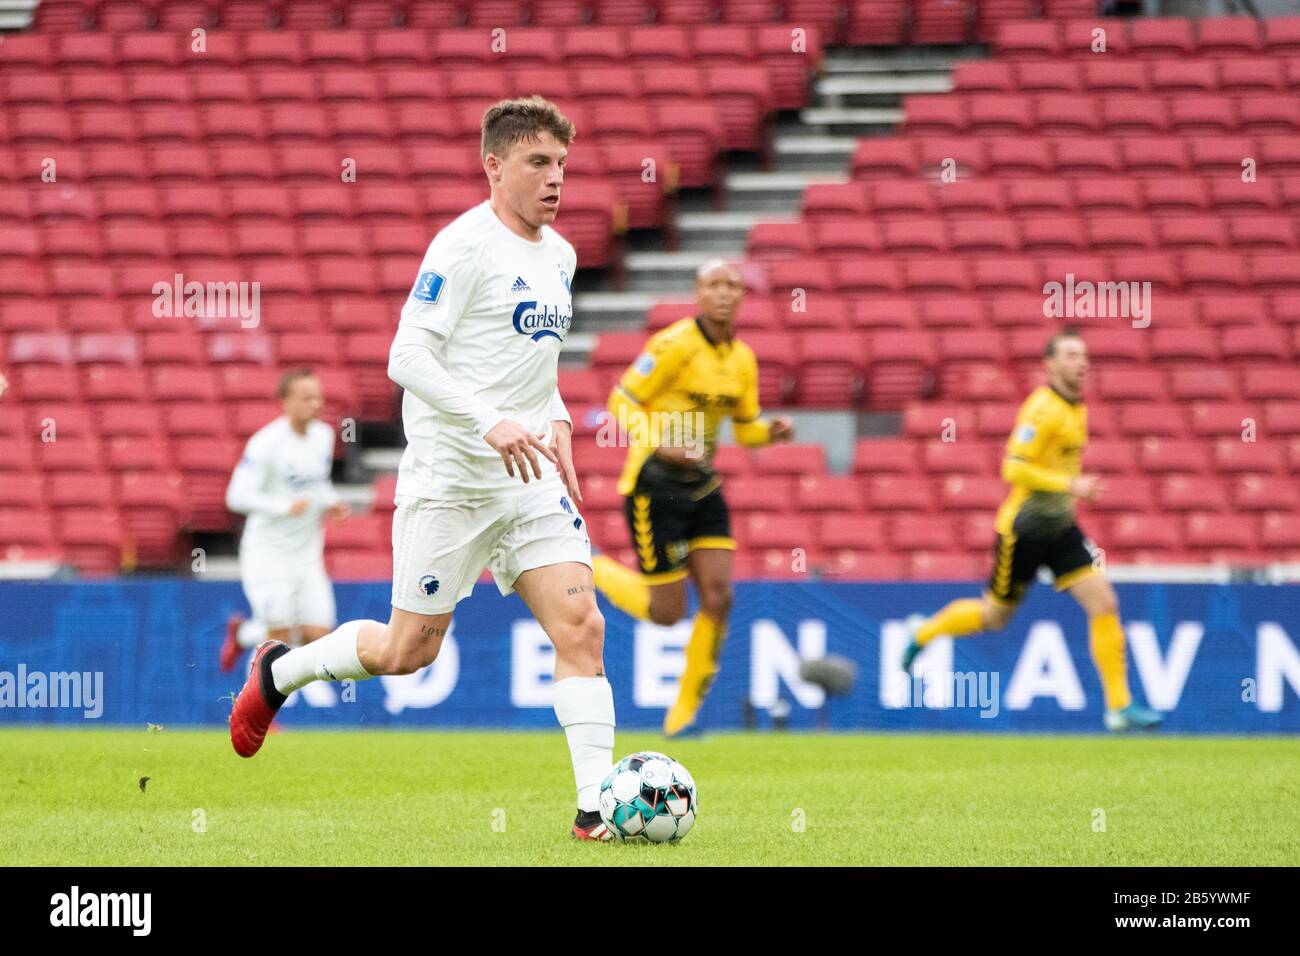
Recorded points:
(315, 147)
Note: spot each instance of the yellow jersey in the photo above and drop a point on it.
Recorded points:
(1044, 452)
(678, 392)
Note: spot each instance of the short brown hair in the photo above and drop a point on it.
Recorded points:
(289, 377)
(1069, 332)
(511, 121)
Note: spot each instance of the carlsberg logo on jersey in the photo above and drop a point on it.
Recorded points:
(537, 323)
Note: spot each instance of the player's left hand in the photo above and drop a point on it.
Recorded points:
(339, 511)
(4, 385)
(562, 448)
(782, 430)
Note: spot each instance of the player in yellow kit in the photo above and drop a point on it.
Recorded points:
(1036, 526)
(669, 405)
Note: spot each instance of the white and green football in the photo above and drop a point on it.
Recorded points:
(650, 797)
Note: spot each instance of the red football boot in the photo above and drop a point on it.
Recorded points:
(589, 826)
(257, 703)
(230, 649)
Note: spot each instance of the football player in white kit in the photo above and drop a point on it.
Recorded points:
(282, 483)
(487, 476)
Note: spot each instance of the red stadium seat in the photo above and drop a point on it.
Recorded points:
(920, 532)
(861, 565)
(1280, 530)
(884, 456)
(1160, 456)
(1208, 530)
(26, 532)
(1137, 532)
(1152, 419)
(971, 493)
(1029, 40)
(759, 494)
(1109, 456)
(946, 566)
(828, 493)
(851, 532)
(1264, 493)
(779, 532)
(130, 420)
(831, 368)
(889, 493)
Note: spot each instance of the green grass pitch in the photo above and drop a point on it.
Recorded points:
(73, 797)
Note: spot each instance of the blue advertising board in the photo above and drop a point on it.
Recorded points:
(1217, 658)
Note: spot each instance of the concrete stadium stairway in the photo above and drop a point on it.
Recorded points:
(859, 93)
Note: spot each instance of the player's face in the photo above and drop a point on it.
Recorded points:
(304, 401)
(718, 293)
(529, 178)
(1069, 366)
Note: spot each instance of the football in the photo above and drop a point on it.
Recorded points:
(650, 797)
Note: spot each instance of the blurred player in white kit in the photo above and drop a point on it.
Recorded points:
(282, 483)
(487, 477)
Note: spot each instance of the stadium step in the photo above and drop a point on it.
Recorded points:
(861, 91)
(898, 60)
(879, 89)
(779, 191)
(859, 120)
(722, 232)
(829, 154)
(610, 311)
(381, 460)
(16, 14)
(664, 271)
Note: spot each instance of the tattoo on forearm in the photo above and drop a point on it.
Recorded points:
(580, 589)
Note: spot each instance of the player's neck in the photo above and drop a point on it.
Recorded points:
(1068, 394)
(512, 222)
(299, 428)
(717, 333)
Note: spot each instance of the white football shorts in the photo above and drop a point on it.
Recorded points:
(289, 593)
(441, 547)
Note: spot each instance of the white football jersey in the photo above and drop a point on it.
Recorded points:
(280, 466)
(502, 307)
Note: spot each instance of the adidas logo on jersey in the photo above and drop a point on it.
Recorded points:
(520, 285)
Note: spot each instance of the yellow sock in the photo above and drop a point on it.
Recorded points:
(1106, 641)
(702, 653)
(959, 618)
(625, 588)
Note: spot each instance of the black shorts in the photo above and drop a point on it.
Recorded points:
(670, 514)
(1016, 560)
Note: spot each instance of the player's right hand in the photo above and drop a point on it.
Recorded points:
(1086, 487)
(518, 447)
(299, 506)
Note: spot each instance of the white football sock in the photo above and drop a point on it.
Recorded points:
(333, 657)
(585, 707)
(251, 633)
